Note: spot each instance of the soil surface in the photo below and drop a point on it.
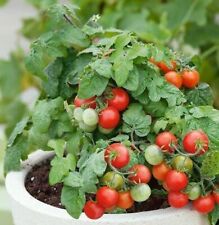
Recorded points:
(38, 186)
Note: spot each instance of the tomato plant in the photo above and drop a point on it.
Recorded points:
(126, 121)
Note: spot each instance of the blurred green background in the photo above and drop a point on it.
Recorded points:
(188, 26)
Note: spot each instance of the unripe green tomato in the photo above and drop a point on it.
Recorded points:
(78, 114)
(153, 155)
(182, 163)
(104, 131)
(87, 128)
(193, 190)
(140, 192)
(90, 117)
(113, 180)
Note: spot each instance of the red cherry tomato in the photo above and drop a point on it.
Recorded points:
(107, 197)
(160, 171)
(216, 196)
(190, 78)
(89, 102)
(196, 141)
(125, 200)
(204, 204)
(109, 118)
(141, 174)
(174, 78)
(118, 155)
(177, 199)
(165, 140)
(176, 181)
(119, 100)
(165, 68)
(93, 210)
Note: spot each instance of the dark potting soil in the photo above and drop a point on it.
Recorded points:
(37, 184)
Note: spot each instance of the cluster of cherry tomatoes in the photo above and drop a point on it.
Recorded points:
(187, 78)
(120, 187)
(175, 177)
(106, 119)
(114, 194)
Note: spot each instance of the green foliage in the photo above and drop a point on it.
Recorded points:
(136, 121)
(210, 165)
(214, 216)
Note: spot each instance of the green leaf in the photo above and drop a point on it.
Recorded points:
(133, 81)
(160, 125)
(73, 199)
(103, 67)
(91, 169)
(73, 180)
(210, 165)
(53, 72)
(120, 138)
(14, 154)
(214, 216)
(122, 67)
(58, 146)
(2, 2)
(91, 86)
(17, 130)
(60, 168)
(135, 120)
(201, 95)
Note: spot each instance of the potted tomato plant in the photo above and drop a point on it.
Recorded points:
(129, 133)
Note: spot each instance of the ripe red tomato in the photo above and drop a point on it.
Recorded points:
(174, 78)
(163, 66)
(176, 181)
(190, 78)
(125, 200)
(177, 199)
(89, 102)
(93, 210)
(166, 68)
(165, 140)
(204, 204)
(141, 174)
(194, 141)
(160, 171)
(107, 197)
(118, 155)
(119, 100)
(109, 118)
(216, 196)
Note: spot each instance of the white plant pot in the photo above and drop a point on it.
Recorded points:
(29, 211)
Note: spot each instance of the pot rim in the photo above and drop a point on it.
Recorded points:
(22, 196)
